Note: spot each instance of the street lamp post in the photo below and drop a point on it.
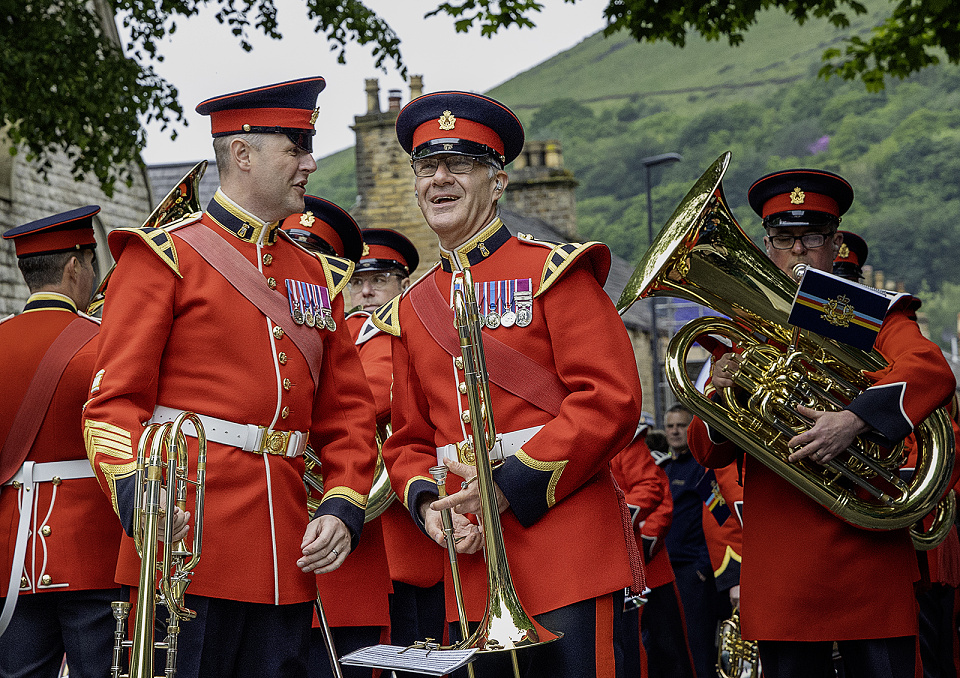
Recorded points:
(648, 162)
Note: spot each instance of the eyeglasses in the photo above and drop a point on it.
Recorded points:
(811, 241)
(377, 281)
(456, 164)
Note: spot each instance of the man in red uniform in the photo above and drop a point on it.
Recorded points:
(60, 552)
(355, 595)
(222, 316)
(564, 391)
(416, 563)
(808, 578)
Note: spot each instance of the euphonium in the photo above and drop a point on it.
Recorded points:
(702, 255)
(505, 624)
(180, 205)
(176, 563)
(736, 657)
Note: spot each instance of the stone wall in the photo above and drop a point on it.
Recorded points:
(25, 197)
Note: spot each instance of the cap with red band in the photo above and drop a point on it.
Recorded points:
(459, 122)
(385, 249)
(283, 108)
(62, 232)
(799, 191)
(326, 227)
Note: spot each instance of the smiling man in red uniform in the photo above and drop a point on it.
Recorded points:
(225, 316)
(808, 578)
(565, 403)
(60, 553)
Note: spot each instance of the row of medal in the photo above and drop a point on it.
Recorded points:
(505, 303)
(310, 305)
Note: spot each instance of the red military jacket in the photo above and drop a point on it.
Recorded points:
(565, 518)
(176, 333)
(357, 592)
(722, 524)
(647, 490)
(413, 557)
(799, 561)
(74, 535)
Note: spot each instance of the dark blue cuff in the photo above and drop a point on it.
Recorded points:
(729, 577)
(351, 515)
(125, 488)
(527, 489)
(879, 406)
(415, 493)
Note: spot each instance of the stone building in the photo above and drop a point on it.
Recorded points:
(25, 197)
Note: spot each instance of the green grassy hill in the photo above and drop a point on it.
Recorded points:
(611, 101)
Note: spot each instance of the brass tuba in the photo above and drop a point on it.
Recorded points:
(736, 657)
(702, 255)
(162, 446)
(505, 624)
(180, 205)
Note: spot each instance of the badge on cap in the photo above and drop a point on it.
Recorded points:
(307, 219)
(447, 121)
(844, 251)
(797, 197)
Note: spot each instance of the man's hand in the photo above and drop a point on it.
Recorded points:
(735, 596)
(325, 545)
(831, 434)
(467, 537)
(181, 520)
(467, 500)
(723, 370)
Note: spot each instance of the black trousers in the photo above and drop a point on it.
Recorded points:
(47, 625)
(665, 635)
(938, 631)
(870, 658)
(232, 639)
(346, 639)
(416, 613)
(703, 609)
(573, 656)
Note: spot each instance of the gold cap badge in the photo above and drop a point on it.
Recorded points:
(366, 250)
(447, 121)
(844, 250)
(307, 219)
(797, 197)
(315, 115)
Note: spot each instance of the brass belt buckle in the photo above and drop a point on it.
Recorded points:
(275, 442)
(465, 452)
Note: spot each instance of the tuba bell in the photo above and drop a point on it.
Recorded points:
(702, 255)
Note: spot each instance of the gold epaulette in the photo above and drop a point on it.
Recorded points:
(387, 317)
(561, 256)
(157, 239)
(337, 272)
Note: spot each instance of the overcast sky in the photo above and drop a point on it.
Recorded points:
(205, 60)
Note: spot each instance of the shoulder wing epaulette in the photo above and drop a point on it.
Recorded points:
(386, 318)
(6, 318)
(368, 330)
(337, 271)
(563, 255)
(157, 239)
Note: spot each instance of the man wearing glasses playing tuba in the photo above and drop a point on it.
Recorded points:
(565, 401)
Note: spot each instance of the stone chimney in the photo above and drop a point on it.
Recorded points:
(384, 178)
(541, 187)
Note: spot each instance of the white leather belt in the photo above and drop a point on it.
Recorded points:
(25, 480)
(507, 445)
(248, 437)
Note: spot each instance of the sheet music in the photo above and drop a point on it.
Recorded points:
(418, 660)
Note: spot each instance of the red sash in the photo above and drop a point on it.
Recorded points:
(248, 281)
(36, 401)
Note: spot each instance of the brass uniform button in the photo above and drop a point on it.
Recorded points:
(458, 361)
(272, 283)
(24, 584)
(46, 530)
(278, 332)
(282, 358)
(267, 259)
(46, 580)
(465, 416)
(285, 412)
(462, 387)
(286, 384)
(56, 480)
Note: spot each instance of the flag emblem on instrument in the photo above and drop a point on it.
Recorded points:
(839, 309)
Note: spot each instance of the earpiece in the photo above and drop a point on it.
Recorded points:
(499, 185)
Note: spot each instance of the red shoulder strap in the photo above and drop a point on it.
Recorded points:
(246, 279)
(36, 401)
(508, 368)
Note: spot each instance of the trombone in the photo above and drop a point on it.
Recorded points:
(161, 445)
(505, 624)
